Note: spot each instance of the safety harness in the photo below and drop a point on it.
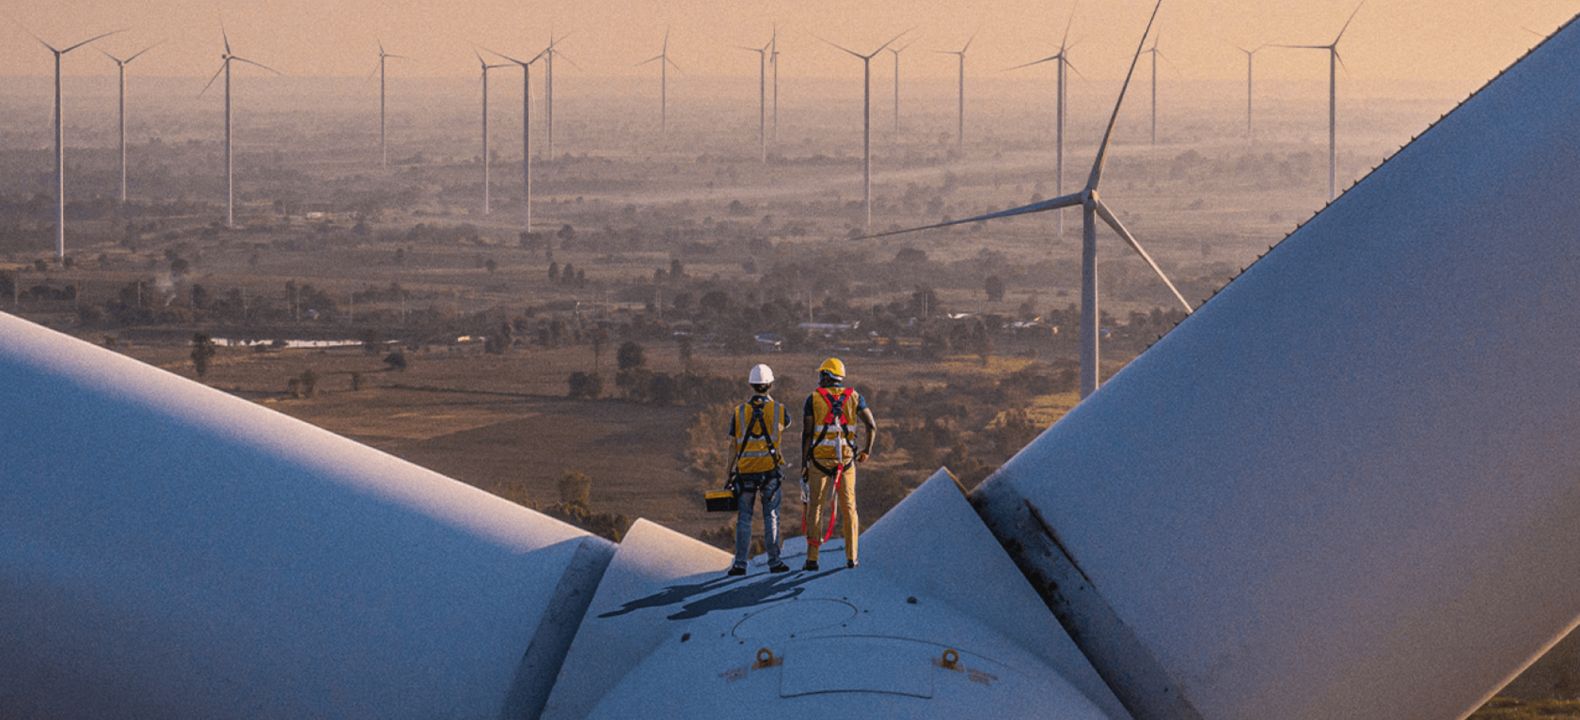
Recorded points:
(835, 419)
(756, 427)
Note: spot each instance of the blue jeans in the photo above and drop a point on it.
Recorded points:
(753, 485)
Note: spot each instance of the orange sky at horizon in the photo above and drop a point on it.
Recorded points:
(1440, 41)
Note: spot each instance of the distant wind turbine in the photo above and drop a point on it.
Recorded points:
(60, 142)
(1155, 53)
(866, 124)
(960, 122)
(1334, 61)
(487, 208)
(384, 153)
(230, 165)
(1063, 59)
(552, 52)
(1250, 59)
(526, 127)
(762, 95)
(773, 59)
(1092, 208)
(664, 64)
(896, 52)
(120, 65)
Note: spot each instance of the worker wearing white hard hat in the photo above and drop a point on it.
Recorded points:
(756, 427)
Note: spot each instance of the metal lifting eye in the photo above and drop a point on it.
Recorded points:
(951, 659)
(765, 658)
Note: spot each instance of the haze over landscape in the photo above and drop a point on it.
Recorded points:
(607, 341)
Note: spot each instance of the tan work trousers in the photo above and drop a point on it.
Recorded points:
(819, 482)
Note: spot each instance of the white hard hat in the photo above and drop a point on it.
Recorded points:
(761, 375)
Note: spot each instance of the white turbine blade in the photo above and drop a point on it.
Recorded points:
(117, 60)
(1302, 47)
(970, 40)
(212, 79)
(393, 56)
(839, 47)
(1346, 27)
(1340, 58)
(1072, 67)
(881, 47)
(561, 55)
(255, 63)
(374, 71)
(1108, 134)
(1119, 227)
(226, 36)
(1067, 25)
(672, 64)
(146, 49)
(1063, 201)
(651, 59)
(89, 40)
(507, 57)
(32, 34)
(1050, 58)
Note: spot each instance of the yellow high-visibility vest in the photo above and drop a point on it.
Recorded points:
(757, 440)
(833, 428)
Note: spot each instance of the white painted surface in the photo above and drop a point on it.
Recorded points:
(167, 550)
(669, 635)
(1349, 486)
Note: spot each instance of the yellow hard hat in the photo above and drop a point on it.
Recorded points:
(833, 366)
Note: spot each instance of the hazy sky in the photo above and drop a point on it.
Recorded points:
(1459, 42)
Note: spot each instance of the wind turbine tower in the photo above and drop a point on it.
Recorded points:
(1155, 53)
(664, 63)
(960, 122)
(384, 153)
(1092, 208)
(60, 143)
(896, 52)
(773, 59)
(548, 85)
(120, 65)
(1063, 59)
(1250, 59)
(762, 95)
(485, 66)
(1334, 61)
(866, 124)
(230, 165)
(526, 126)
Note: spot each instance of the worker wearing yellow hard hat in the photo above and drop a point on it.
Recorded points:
(829, 458)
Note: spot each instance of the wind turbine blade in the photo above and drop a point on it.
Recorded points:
(507, 57)
(146, 49)
(32, 34)
(397, 57)
(840, 47)
(1301, 47)
(970, 40)
(212, 79)
(1050, 58)
(255, 63)
(226, 36)
(651, 59)
(666, 40)
(1108, 134)
(561, 55)
(672, 64)
(553, 41)
(1119, 227)
(117, 60)
(89, 40)
(1072, 68)
(1347, 22)
(381, 46)
(1340, 58)
(881, 47)
(1063, 201)
(1067, 25)
(374, 71)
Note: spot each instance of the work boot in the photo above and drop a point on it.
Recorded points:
(851, 564)
(810, 566)
(778, 567)
(737, 570)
